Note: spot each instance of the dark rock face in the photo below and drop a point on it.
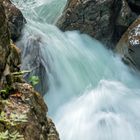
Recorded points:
(91, 17)
(104, 20)
(135, 5)
(129, 45)
(15, 18)
(32, 59)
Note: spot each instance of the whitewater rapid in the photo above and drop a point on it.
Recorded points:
(91, 94)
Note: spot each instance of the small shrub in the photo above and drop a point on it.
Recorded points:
(34, 80)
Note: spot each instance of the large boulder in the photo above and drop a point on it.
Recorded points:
(105, 20)
(15, 18)
(129, 45)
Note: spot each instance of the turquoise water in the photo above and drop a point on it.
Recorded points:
(41, 10)
(91, 94)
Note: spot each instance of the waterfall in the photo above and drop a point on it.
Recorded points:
(41, 10)
(90, 93)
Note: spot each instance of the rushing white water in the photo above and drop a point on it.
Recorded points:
(91, 94)
(41, 10)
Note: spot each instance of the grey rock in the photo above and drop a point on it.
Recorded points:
(105, 20)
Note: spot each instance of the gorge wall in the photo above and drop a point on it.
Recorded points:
(23, 112)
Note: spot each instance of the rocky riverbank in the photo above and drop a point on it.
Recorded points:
(23, 112)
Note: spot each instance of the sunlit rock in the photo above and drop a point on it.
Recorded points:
(129, 45)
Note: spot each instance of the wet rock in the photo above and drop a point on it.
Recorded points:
(24, 112)
(91, 17)
(15, 18)
(129, 45)
(33, 61)
(100, 19)
(123, 21)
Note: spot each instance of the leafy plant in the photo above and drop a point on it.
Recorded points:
(13, 136)
(4, 135)
(5, 92)
(21, 72)
(16, 136)
(34, 80)
(12, 118)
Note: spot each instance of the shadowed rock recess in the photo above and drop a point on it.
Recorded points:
(22, 109)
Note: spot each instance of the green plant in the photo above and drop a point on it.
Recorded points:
(34, 80)
(18, 118)
(13, 118)
(21, 72)
(4, 135)
(5, 92)
(16, 136)
(10, 136)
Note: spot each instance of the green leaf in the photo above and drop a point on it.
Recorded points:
(4, 91)
(4, 135)
(21, 72)
(16, 136)
(34, 80)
